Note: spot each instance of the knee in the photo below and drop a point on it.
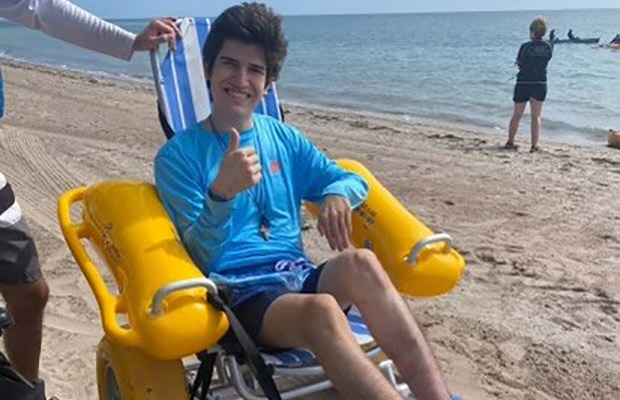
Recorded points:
(365, 268)
(325, 318)
(360, 273)
(355, 259)
(30, 301)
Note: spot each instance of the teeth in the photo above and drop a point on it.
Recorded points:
(236, 93)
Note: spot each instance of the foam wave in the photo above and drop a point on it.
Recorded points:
(94, 73)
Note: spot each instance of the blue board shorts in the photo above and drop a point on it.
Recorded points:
(251, 310)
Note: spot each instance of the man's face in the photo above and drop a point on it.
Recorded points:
(238, 78)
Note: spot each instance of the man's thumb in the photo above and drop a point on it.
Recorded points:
(234, 140)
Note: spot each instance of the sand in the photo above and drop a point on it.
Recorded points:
(536, 315)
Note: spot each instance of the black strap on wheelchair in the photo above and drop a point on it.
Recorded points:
(204, 375)
(263, 374)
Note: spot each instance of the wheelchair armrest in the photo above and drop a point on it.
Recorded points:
(419, 262)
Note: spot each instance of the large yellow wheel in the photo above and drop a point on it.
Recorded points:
(128, 374)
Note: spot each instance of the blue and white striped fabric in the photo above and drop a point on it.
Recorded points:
(298, 358)
(181, 83)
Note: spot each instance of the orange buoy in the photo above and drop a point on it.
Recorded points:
(613, 139)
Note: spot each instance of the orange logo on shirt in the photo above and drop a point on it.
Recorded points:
(274, 167)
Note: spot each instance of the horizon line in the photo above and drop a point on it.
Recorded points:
(409, 12)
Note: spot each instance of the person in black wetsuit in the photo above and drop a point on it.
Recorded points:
(570, 35)
(552, 35)
(531, 85)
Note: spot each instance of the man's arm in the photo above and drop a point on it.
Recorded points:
(318, 176)
(65, 21)
(337, 191)
(202, 222)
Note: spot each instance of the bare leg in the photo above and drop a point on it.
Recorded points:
(316, 322)
(23, 342)
(536, 108)
(357, 276)
(517, 114)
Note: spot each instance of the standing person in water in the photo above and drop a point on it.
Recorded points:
(531, 85)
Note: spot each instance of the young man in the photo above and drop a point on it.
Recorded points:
(233, 185)
(21, 283)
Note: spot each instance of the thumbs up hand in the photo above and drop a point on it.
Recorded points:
(235, 138)
(240, 169)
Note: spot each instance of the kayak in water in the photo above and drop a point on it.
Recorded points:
(577, 41)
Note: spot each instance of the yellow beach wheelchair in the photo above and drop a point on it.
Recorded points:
(155, 312)
(155, 308)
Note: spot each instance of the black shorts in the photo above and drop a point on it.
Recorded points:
(524, 91)
(19, 262)
(251, 311)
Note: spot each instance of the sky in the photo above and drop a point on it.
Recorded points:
(150, 8)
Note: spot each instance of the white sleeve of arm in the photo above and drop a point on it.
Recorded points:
(66, 21)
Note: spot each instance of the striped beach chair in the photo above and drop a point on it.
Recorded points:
(183, 100)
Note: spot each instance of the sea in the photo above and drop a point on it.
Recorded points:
(446, 69)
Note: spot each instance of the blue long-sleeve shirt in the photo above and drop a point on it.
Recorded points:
(223, 238)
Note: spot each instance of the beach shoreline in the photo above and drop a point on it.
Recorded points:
(147, 82)
(536, 315)
(499, 133)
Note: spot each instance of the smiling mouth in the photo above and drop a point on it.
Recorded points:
(237, 94)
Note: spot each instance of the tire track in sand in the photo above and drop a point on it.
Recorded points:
(47, 169)
(34, 202)
(35, 175)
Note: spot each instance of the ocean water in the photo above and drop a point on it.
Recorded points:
(445, 68)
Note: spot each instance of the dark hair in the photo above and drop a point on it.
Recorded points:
(250, 23)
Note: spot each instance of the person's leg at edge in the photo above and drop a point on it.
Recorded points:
(357, 276)
(513, 127)
(316, 322)
(22, 342)
(536, 107)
